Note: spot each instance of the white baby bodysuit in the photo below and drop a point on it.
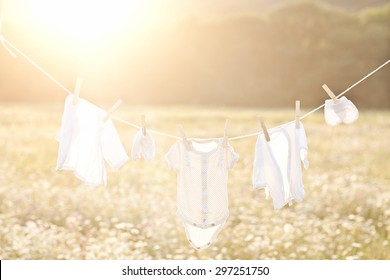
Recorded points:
(342, 112)
(85, 141)
(277, 166)
(202, 196)
(143, 145)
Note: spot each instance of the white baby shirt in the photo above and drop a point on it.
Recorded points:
(342, 112)
(202, 196)
(267, 173)
(143, 145)
(298, 154)
(277, 165)
(86, 141)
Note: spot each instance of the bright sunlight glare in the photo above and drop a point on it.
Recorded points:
(90, 20)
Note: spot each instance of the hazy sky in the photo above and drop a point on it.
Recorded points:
(149, 10)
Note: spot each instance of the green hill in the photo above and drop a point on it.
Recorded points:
(243, 60)
(212, 8)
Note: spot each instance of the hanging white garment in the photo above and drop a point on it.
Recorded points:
(143, 145)
(270, 166)
(277, 164)
(85, 141)
(298, 154)
(342, 112)
(202, 196)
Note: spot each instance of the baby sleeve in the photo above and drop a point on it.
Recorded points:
(303, 147)
(65, 134)
(136, 147)
(258, 178)
(173, 156)
(148, 147)
(64, 120)
(111, 145)
(267, 174)
(232, 157)
(273, 177)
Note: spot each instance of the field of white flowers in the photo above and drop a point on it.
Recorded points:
(46, 214)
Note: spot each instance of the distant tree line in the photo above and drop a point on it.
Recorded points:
(246, 60)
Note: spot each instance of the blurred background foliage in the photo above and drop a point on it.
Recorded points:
(242, 53)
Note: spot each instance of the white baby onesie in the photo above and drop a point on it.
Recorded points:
(202, 196)
(143, 145)
(342, 112)
(86, 141)
(277, 166)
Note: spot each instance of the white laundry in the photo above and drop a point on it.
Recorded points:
(143, 145)
(277, 164)
(86, 141)
(271, 159)
(342, 112)
(202, 196)
(298, 154)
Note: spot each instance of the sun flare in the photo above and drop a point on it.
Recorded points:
(90, 20)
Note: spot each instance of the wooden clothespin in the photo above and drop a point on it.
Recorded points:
(226, 133)
(184, 137)
(265, 131)
(112, 109)
(330, 93)
(77, 89)
(297, 114)
(143, 123)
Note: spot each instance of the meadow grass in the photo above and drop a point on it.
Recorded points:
(46, 214)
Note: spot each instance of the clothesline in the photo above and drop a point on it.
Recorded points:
(321, 106)
(277, 165)
(5, 42)
(149, 130)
